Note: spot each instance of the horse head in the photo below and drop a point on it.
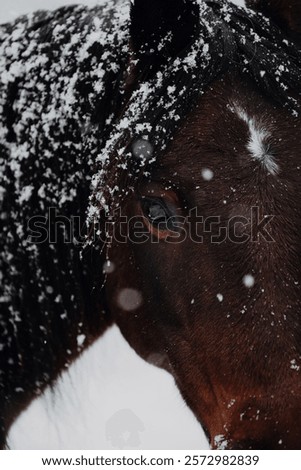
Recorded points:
(206, 242)
(181, 121)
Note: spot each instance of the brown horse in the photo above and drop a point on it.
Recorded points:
(189, 134)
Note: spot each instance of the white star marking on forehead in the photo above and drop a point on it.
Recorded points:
(257, 143)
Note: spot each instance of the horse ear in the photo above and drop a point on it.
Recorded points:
(286, 13)
(163, 28)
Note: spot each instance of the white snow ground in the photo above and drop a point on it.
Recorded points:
(110, 398)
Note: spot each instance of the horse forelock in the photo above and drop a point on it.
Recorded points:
(230, 38)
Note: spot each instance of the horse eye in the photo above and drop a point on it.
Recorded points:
(159, 214)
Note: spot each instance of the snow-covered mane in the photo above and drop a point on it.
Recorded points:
(60, 89)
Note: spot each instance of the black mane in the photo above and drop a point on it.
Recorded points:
(60, 76)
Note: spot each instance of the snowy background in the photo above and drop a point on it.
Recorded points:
(110, 398)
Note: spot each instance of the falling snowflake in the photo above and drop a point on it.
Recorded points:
(207, 174)
(129, 299)
(248, 281)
